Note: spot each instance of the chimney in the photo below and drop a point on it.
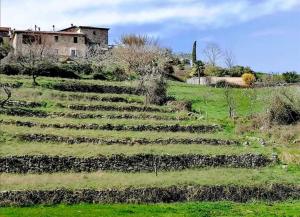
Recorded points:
(72, 25)
(35, 27)
(39, 28)
(53, 28)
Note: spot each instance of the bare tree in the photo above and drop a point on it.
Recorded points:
(7, 91)
(137, 52)
(143, 56)
(213, 53)
(229, 58)
(230, 100)
(35, 51)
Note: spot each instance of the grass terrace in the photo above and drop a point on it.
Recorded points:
(209, 108)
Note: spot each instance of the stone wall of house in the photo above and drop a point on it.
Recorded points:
(96, 36)
(62, 47)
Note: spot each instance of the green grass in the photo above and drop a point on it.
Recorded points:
(192, 209)
(9, 148)
(41, 94)
(103, 121)
(207, 101)
(16, 130)
(211, 101)
(105, 180)
(27, 81)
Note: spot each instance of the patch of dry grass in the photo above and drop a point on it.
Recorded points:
(101, 180)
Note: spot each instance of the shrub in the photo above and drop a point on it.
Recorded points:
(154, 87)
(222, 84)
(168, 68)
(181, 66)
(290, 77)
(211, 70)
(238, 71)
(10, 69)
(284, 108)
(114, 73)
(56, 70)
(249, 79)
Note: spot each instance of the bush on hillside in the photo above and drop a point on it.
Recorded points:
(10, 69)
(291, 77)
(154, 87)
(249, 79)
(224, 84)
(168, 68)
(56, 70)
(284, 108)
(217, 71)
(238, 71)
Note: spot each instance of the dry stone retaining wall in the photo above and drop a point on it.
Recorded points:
(123, 163)
(96, 98)
(93, 88)
(124, 141)
(159, 128)
(151, 195)
(20, 103)
(38, 113)
(136, 108)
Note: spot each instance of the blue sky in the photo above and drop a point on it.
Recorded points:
(263, 34)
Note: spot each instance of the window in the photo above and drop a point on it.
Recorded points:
(56, 38)
(75, 40)
(73, 53)
(31, 39)
(1, 40)
(55, 51)
(94, 32)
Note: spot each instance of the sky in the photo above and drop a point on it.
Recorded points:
(262, 34)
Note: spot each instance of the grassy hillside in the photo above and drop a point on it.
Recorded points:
(122, 117)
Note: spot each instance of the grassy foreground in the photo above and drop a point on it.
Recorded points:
(166, 210)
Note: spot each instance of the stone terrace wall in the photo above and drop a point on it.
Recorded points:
(148, 127)
(93, 88)
(123, 141)
(150, 195)
(122, 163)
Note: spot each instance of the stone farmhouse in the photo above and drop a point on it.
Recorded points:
(70, 42)
(4, 35)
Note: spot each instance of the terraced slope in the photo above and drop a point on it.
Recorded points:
(84, 141)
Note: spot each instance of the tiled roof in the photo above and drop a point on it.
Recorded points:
(49, 32)
(4, 29)
(84, 27)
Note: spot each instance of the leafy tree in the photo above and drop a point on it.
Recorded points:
(211, 70)
(290, 77)
(199, 68)
(238, 71)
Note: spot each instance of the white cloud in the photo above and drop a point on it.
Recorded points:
(201, 13)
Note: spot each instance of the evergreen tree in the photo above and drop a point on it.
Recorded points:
(194, 53)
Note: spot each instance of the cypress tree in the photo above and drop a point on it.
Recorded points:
(194, 53)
